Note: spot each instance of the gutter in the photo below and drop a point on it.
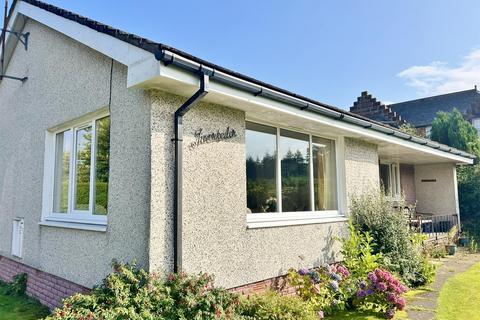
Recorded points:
(168, 57)
(178, 183)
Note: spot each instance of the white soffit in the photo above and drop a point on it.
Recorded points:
(144, 71)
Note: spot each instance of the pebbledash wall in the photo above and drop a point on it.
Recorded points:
(436, 188)
(215, 234)
(68, 80)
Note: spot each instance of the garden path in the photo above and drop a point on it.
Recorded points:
(422, 306)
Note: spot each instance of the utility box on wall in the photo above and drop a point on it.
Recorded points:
(17, 237)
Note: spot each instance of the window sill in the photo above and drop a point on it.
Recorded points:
(74, 225)
(267, 220)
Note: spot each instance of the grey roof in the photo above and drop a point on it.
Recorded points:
(307, 103)
(421, 112)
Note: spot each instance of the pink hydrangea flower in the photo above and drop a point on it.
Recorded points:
(401, 303)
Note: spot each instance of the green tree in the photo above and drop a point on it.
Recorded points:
(409, 128)
(453, 130)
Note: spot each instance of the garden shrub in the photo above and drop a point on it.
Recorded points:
(327, 289)
(273, 306)
(358, 254)
(132, 293)
(436, 251)
(19, 285)
(389, 228)
(473, 246)
(382, 292)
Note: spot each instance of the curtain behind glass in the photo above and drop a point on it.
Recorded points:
(324, 174)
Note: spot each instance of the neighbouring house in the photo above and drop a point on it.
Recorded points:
(118, 147)
(420, 112)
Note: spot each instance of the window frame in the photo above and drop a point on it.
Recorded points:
(393, 171)
(72, 215)
(280, 218)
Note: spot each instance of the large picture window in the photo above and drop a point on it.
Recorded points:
(289, 172)
(81, 172)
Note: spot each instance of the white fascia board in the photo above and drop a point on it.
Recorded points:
(142, 65)
(367, 133)
(182, 76)
(15, 24)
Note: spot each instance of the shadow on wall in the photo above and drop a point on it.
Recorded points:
(328, 256)
(328, 253)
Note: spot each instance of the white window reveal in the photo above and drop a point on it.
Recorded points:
(291, 177)
(80, 172)
(476, 124)
(428, 131)
(17, 237)
(390, 178)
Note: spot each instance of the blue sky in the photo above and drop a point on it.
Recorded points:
(327, 50)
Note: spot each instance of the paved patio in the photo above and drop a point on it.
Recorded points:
(423, 306)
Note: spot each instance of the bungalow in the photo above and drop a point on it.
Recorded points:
(118, 147)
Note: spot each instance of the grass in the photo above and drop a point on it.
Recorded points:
(364, 315)
(19, 307)
(459, 297)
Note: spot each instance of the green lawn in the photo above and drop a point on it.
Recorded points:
(15, 307)
(364, 315)
(459, 297)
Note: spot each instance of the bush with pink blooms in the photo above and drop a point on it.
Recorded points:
(327, 289)
(360, 282)
(383, 292)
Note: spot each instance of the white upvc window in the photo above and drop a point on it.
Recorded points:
(292, 177)
(77, 171)
(390, 178)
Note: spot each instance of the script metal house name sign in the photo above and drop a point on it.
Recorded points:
(203, 138)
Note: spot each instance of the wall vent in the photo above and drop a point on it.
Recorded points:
(17, 237)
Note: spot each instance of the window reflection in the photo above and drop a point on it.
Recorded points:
(294, 155)
(83, 163)
(63, 151)
(385, 178)
(102, 160)
(260, 143)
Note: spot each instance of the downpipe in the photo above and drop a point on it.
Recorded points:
(178, 185)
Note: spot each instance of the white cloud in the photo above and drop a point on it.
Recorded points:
(438, 77)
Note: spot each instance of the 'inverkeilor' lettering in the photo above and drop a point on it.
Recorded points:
(201, 138)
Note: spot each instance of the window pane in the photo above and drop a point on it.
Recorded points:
(385, 178)
(295, 172)
(63, 151)
(102, 165)
(82, 165)
(260, 144)
(324, 174)
(395, 179)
